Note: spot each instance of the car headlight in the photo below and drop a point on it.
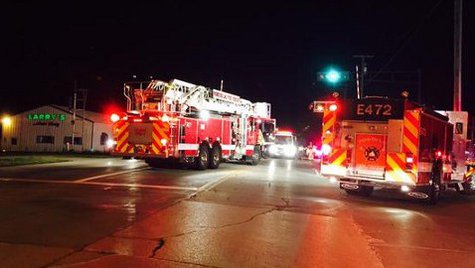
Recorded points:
(110, 143)
(273, 149)
(290, 150)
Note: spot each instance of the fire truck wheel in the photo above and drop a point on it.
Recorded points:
(215, 158)
(361, 191)
(256, 156)
(468, 187)
(365, 191)
(201, 162)
(351, 192)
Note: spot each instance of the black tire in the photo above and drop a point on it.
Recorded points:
(364, 191)
(351, 192)
(202, 160)
(255, 157)
(467, 188)
(434, 191)
(215, 157)
(156, 164)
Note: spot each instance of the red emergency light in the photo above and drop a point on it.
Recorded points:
(438, 154)
(114, 118)
(333, 107)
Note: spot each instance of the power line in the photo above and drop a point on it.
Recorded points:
(407, 39)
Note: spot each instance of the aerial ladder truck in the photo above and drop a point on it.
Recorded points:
(190, 124)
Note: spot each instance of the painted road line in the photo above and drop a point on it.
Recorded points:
(214, 183)
(110, 174)
(110, 184)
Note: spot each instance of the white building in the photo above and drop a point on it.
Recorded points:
(49, 128)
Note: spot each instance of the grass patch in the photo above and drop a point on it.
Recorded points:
(8, 161)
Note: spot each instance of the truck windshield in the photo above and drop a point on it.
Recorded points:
(283, 139)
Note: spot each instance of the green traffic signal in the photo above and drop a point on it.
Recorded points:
(333, 76)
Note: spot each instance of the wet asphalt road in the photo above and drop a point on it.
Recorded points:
(120, 213)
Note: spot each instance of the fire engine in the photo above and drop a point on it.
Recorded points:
(182, 122)
(393, 143)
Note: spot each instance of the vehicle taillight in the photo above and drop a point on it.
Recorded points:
(115, 118)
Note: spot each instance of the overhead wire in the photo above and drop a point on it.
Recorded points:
(406, 39)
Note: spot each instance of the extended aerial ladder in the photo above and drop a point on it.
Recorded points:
(180, 96)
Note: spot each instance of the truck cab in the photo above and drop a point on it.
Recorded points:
(285, 145)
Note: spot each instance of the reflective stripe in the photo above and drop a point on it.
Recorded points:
(410, 138)
(249, 147)
(188, 146)
(396, 169)
(122, 134)
(329, 119)
(161, 130)
(228, 147)
(337, 157)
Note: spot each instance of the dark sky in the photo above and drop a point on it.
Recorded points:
(263, 50)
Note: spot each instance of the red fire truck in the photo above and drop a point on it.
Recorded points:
(187, 123)
(392, 143)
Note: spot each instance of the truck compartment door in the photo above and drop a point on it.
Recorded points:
(395, 128)
(370, 154)
(140, 133)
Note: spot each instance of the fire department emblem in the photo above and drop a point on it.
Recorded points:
(372, 153)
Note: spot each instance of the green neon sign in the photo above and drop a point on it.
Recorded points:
(46, 117)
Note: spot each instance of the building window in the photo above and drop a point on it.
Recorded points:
(14, 141)
(104, 138)
(45, 139)
(77, 140)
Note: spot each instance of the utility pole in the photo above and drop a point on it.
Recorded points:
(79, 98)
(458, 55)
(358, 95)
(363, 71)
(73, 122)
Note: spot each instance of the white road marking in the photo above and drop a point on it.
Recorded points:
(215, 183)
(128, 185)
(111, 174)
(419, 247)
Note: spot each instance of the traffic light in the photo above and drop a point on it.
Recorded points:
(333, 76)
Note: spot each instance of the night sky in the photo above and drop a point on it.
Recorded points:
(263, 50)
